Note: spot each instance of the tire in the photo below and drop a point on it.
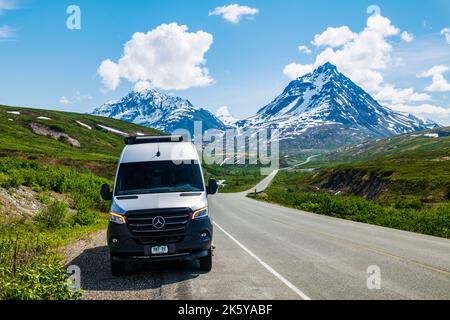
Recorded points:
(206, 262)
(117, 267)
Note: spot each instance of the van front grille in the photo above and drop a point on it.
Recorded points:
(158, 222)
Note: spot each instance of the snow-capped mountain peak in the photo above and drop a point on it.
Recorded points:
(161, 111)
(325, 108)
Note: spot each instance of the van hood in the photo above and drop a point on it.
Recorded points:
(193, 200)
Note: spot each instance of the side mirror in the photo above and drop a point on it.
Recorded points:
(212, 186)
(106, 192)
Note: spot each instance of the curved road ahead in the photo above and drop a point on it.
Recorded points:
(265, 251)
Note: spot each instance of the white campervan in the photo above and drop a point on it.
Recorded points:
(159, 207)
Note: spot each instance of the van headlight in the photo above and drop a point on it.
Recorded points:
(200, 213)
(117, 218)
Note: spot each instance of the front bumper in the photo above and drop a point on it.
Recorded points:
(124, 246)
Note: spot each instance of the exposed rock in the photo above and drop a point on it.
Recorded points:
(369, 185)
(25, 202)
(19, 202)
(49, 132)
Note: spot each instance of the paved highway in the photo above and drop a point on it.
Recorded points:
(265, 251)
(320, 257)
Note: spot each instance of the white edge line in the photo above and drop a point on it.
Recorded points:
(265, 265)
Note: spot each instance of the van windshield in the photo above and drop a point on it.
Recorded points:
(158, 177)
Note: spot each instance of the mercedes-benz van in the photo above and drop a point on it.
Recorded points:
(159, 207)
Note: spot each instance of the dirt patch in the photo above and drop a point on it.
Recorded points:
(49, 132)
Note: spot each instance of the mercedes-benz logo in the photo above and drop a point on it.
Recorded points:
(158, 222)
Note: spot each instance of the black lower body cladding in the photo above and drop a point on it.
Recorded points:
(193, 243)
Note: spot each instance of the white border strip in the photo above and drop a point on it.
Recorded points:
(265, 265)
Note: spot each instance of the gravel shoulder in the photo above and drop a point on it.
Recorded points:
(235, 274)
(142, 282)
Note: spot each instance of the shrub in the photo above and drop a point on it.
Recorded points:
(408, 203)
(84, 218)
(15, 179)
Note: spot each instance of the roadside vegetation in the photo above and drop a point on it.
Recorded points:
(59, 160)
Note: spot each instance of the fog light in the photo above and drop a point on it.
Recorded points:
(203, 235)
(114, 240)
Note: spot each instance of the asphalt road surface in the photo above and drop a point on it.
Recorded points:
(265, 251)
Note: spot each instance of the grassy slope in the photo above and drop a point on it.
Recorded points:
(413, 166)
(99, 148)
(408, 148)
(415, 176)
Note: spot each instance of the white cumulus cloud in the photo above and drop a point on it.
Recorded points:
(446, 33)
(426, 111)
(75, 99)
(294, 70)
(8, 5)
(391, 94)
(6, 32)
(304, 49)
(64, 101)
(110, 73)
(167, 57)
(234, 13)
(334, 37)
(142, 86)
(407, 37)
(362, 56)
(439, 83)
(433, 71)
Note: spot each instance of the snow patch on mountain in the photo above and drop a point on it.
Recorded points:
(112, 130)
(225, 116)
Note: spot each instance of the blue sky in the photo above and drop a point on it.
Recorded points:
(44, 64)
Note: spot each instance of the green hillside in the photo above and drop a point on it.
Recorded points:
(98, 148)
(415, 165)
(418, 145)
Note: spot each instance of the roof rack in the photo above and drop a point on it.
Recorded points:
(154, 139)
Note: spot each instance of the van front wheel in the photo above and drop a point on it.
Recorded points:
(206, 262)
(117, 267)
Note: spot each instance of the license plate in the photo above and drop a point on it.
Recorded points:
(160, 249)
